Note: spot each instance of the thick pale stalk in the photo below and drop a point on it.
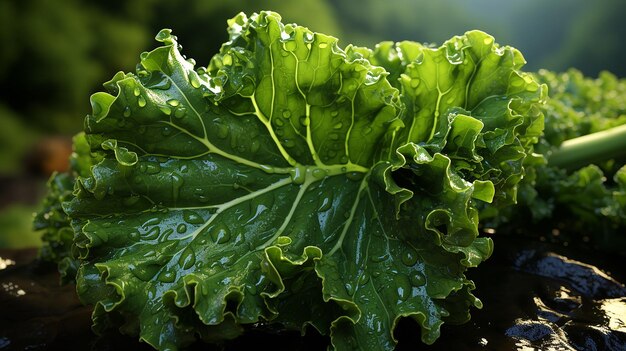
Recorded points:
(591, 148)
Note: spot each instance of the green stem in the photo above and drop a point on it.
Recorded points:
(591, 148)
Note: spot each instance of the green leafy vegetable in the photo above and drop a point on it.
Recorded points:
(294, 182)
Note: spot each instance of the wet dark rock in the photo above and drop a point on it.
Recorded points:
(584, 278)
(542, 334)
(587, 337)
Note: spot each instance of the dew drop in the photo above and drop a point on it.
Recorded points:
(177, 183)
(323, 45)
(287, 114)
(136, 91)
(418, 279)
(194, 80)
(367, 130)
(133, 236)
(173, 102)
(220, 234)
(304, 121)
(350, 288)
(318, 173)
(180, 112)
(141, 101)
(325, 204)
(126, 112)
(192, 217)
(166, 110)
(187, 258)
(333, 136)
(152, 168)
(144, 272)
(201, 71)
(167, 277)
(298, 174)
(379, 258)
(488, 41)
(409, 257)
(364, 279)
(289, 143)
(334, 113)
(338, 125)
(403, 287)
(181, 228)
(222, 131)
(167, 131)
(308, 37)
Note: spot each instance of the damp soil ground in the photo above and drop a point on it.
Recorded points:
(536, 296)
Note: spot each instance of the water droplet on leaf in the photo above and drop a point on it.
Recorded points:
(326, 204)
(141, 101)
(180, 112)
(192, 217)
(177, 183)
(165, 109)
(222, 131)
(144, 272)
(220, 234)
(409, 257)
(167, 277)
(418, 279)
(194, 80)
(187, 258)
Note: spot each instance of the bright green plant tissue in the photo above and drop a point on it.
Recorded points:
(292, 181)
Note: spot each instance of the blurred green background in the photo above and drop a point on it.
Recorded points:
(55, 53)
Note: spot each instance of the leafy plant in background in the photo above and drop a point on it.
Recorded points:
(578, 192)
(292, 182)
